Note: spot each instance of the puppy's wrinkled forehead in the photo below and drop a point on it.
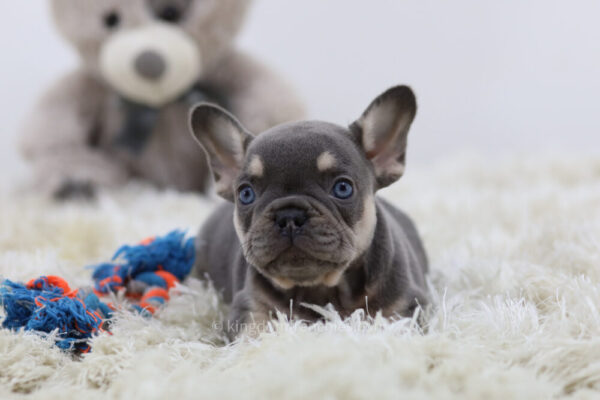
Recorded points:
(299, 151)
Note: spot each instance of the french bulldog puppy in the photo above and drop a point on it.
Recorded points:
(303, 224)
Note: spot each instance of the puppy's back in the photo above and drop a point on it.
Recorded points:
(408, 228)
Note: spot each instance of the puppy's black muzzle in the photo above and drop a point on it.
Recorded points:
(290, 220)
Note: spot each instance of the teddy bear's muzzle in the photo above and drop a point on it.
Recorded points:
(151, 65)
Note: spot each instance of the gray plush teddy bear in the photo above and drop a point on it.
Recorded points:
(123, 113)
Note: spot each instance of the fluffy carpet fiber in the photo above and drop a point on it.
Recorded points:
(515, 254)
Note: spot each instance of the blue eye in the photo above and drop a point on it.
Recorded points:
(343, 189)
(247, 195)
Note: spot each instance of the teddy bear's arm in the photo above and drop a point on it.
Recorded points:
(258, 97)
(58, 136)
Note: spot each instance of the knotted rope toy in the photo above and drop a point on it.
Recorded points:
(145, 273)
(48, 304)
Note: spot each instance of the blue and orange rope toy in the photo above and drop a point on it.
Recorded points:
(144, 272)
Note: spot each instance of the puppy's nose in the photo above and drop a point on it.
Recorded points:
(150, 65)
(290, 220)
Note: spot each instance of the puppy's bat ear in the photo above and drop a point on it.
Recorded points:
(382, 131)
(224, 140)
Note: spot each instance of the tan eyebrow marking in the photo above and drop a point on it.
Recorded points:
(326, 161)
(256, 167)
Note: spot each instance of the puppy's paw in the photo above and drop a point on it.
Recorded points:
(75, 190)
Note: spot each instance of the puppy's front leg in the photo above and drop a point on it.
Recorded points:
(247, 317)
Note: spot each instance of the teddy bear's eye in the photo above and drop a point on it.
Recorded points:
(112, 20)
(170, 14)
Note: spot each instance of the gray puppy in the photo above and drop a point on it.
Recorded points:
(303, 225)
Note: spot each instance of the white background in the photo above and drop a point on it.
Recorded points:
(492, 77)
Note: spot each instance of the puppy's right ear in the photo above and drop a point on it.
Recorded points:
(224, 140)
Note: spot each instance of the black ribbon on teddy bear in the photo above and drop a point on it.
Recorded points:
(140, 119)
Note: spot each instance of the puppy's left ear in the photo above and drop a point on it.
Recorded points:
(382, 131)
(224, 140)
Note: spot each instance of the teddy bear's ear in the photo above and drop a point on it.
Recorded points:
(224, 140)
(382, 131)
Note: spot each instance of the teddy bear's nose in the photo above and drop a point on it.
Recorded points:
(150, 65)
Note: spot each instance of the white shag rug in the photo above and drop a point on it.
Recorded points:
(515, 256)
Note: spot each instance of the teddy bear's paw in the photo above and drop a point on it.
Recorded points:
(75, 190)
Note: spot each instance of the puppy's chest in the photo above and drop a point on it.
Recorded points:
(299, 302)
